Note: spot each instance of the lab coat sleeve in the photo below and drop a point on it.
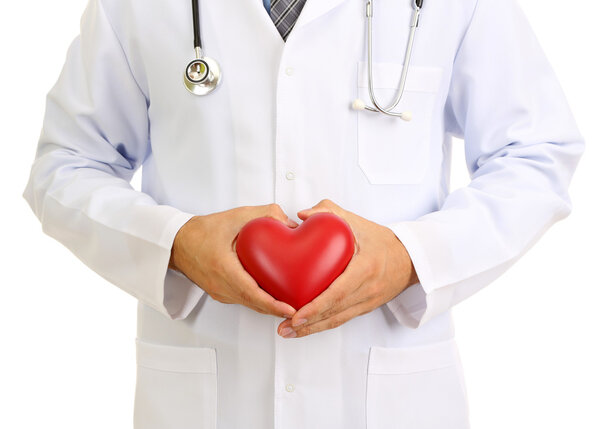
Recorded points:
(95, 135)
(521, 147)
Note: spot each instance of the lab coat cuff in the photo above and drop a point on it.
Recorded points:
(409, 306)
(422, 301)
(179, 294)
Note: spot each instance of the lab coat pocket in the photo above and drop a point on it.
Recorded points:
(392, 150)
(418, 387)
(176, 387)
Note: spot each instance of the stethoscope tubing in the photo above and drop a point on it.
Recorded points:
(213, 74)
(196, 18)
(405, 67)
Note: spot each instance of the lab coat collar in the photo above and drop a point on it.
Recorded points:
(255, 10)
(314, 9)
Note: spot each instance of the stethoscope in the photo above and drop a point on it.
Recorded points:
(203, 75)
(358, 104)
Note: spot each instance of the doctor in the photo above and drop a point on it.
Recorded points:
(278, 137)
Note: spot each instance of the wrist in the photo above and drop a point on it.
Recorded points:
(172, 263)
(409, 274)
(413, 278)
(178, 246)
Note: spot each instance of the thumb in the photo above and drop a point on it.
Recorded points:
(276, 212)
(291, 223)
(304, 214)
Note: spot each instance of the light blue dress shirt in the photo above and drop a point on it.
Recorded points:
(267, 4)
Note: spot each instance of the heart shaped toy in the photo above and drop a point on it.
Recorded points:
(295, 265)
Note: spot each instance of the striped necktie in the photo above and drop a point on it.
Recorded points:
(284, 14)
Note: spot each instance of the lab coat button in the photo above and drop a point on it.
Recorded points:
(289, 71)
(289, 388)
(290, 175)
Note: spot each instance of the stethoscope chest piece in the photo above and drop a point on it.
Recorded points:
(202, 76)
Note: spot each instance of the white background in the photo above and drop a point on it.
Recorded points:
(529, 342)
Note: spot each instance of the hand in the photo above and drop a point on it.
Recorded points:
(204, 250)
(379, 270)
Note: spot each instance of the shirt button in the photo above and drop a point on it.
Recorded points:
(289, 71)
(289, 388)
(290, 175)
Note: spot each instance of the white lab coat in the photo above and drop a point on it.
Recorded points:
(280, 129)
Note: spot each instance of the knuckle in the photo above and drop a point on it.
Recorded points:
(364, 310)
(260, 310)
(369, 269)
(317, 308)
(244, 210)
(336, 302)
(274, 209)
(339, 299)
(219, 266)
(217, 297)
(373, 290)
(334, 323)
(329, 203)
(307, 330)
(272, 305)
(245, 298)
(326, 313)
(269, 307)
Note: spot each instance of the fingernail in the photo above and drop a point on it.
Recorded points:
(291, 335)
(299, 322)
(292, 222)
(286, 331)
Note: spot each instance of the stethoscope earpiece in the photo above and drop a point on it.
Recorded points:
(358, 104)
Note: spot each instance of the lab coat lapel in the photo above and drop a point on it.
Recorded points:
(264, 21)
(254, 11)
(314, 9)
(311, 10)
(235, 15)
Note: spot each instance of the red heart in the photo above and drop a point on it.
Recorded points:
(294, 265)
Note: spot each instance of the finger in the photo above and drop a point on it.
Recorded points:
(325, 205)
(259, 300)
(339, 295)
(287, 323)
(263, 306)
(248, 213)
(269, 210)
(276, 212)
(331, 322)
(305, 214)
(252, 295)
